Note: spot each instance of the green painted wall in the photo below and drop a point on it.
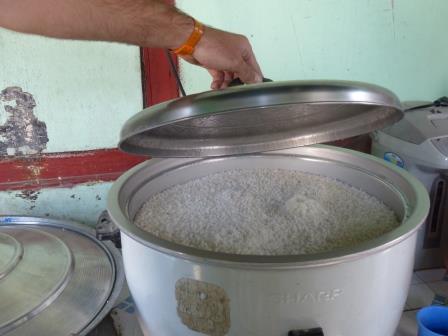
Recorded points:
(399, 44)
(82, 203)
(84, 91)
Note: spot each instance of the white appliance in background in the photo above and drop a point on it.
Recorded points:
(419, 144)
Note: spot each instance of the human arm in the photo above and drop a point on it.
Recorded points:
(147, 23)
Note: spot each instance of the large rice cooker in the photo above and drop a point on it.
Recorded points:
(180, 290)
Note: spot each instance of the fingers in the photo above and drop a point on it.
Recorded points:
(248, 69)
(250, 59)
(217, 78)
(228, 77)
(220, 79)
(247, 72)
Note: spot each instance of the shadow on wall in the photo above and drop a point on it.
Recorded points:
(21, 133)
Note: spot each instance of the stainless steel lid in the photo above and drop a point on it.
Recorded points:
(55, 277)
(258, 118)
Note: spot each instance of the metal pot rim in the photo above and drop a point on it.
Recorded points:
(408, 227)
(109, 249)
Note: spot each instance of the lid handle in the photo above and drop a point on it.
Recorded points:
(237, 81)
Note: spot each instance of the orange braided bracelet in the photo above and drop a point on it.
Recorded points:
(188, 47)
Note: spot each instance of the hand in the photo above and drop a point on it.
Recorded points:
(226, 56)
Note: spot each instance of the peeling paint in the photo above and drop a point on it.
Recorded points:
(22, 133)
(35, 170)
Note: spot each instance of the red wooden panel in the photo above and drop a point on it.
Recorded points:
(158, 82)
(64, 169)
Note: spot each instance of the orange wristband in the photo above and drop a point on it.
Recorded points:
(188, 47)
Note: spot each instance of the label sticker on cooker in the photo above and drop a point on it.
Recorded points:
(394, 158)
(203, 307)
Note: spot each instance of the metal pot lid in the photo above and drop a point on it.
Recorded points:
(56, 278)
(258, 118)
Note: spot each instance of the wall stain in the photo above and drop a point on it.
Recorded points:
(22, 133)
(29, 195)
(33, 166)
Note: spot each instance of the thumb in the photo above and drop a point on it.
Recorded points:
(248, 74)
